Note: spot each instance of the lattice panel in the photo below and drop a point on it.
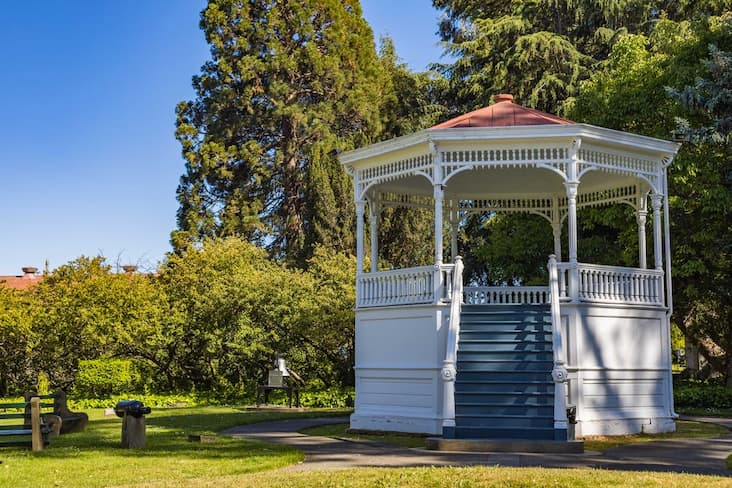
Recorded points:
(555, 157)
(393, 200)
(589, 159)
(538, 206)
(393, 170)
(626, 194)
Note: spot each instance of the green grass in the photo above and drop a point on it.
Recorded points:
(684, 430)
(728, 461)
(94, 458)
(341, 431)
(473, 477)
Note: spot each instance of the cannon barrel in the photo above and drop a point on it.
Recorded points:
(134, 408)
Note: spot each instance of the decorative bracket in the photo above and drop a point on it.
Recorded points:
(449, 372)
(560, 374)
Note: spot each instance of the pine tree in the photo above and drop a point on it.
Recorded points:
(286, 85)
(539, 50)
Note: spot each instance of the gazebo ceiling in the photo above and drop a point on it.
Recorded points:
(503, 113)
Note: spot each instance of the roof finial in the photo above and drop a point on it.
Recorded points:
(503, 97)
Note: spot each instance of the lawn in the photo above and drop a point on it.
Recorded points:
(94, 458)
(473, 477)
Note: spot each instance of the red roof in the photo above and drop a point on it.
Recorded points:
(21, 282)
(503, 113)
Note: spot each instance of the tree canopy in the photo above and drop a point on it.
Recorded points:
(288, 84)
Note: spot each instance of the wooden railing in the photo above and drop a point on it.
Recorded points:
(598, 283)
(559, 370)
(507, 295)
(426, 284)
(436, 284)
(449, 364)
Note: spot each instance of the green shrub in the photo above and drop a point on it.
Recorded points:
(329, 398)
(100, 378)
(174, 400)
(703, 396)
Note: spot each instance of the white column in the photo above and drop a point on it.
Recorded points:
(360, 208)
(640, 217)
(454, 223)
(572, 234)
(656, 203)
(557, 229)
(439, 194)
(374, 221)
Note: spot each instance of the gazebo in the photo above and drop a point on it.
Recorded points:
(437, 356)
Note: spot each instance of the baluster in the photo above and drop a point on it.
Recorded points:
(659, 288)
(644, 288)
(603, 286)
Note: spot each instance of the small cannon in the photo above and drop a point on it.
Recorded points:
(134, 408)
(132, 413)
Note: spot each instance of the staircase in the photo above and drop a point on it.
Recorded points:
(504, 388)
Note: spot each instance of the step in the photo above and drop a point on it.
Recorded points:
(504, 422)
(504, 433)
(514, 377)
(503, 399)
(487, 346)
(504, 335)
(476, 339)
(533, 387)
(509, 365)
(503, 318)
(502, 328)
(464, 355)
(516, 410)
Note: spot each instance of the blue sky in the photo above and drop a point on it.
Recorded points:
(89, 163)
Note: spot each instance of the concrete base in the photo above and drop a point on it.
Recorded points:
(504, 445)
(657, 425)
(395, 423)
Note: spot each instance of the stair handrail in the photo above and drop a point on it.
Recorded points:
(559, 371)
(449, 370)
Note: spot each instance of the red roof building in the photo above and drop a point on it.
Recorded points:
(21, 282)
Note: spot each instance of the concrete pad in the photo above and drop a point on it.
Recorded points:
(504, 445)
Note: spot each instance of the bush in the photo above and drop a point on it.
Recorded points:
(703, 396)
(175, 400)
(329, 398)
(100, 378)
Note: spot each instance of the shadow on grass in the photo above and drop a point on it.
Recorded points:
(168, 431)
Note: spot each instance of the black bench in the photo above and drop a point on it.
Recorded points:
(32, 432)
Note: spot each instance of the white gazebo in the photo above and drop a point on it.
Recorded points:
(434, 356)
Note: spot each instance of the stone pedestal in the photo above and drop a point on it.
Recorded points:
(133, 432)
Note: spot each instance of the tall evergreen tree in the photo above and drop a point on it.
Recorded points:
(627, 93)
(540, 50)
(287, 84)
